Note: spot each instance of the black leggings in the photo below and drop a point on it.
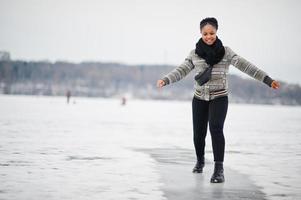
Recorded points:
(215, 112)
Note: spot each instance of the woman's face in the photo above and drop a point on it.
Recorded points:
(208, 34)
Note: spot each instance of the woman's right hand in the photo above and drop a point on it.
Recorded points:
(275, 85)
(160, 83)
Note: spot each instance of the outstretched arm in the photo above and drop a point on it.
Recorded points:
(178, 73)
(250, 69)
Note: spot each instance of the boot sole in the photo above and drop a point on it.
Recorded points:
(217, 181)
(197, 171)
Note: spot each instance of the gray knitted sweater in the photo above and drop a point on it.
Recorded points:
(217, 86)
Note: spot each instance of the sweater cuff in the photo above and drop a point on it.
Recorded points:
(166, 80)
(267, 80)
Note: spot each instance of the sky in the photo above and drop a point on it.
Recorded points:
(265, 32)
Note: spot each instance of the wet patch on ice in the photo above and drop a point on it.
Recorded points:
(279, 195)
(16, 163)
(175, 165)
(87, 158)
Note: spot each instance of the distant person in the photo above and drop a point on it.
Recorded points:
(123, 101)
(68, 95)
(211, 60)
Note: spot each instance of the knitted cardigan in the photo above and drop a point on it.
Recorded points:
(217, 86)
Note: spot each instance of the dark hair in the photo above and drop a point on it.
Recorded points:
(209, 20)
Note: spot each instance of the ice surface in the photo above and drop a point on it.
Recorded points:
(88, 149)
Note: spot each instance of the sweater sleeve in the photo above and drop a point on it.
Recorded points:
(248, 68)
(179, 72)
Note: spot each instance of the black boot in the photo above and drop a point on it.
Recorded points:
(198, 168)
(218, 174)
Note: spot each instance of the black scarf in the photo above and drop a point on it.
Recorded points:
(212, 54)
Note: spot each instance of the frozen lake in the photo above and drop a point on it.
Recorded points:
(87, 149)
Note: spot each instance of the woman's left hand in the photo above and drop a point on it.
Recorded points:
(275, 85)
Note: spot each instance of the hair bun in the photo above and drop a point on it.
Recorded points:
(209, 20)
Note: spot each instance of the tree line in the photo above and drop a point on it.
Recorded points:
(96, 79)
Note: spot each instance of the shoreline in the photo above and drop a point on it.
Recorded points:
(179, 183)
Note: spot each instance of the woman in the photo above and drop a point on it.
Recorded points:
(210, 101)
